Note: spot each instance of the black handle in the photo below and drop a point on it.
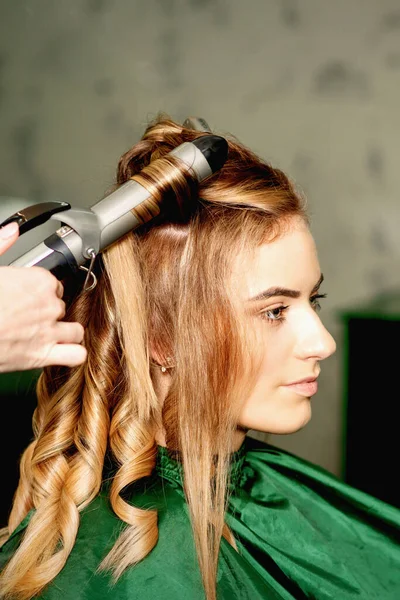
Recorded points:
(35, 215)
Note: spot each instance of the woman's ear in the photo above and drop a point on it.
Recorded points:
(161, 372)
(160, 358)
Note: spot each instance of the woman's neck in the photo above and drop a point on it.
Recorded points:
(238, 438)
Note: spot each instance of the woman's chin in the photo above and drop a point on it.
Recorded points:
(291, 421)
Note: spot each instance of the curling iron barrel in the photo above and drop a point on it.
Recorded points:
(86, 232)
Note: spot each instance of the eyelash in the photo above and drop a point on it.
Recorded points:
(280, 319)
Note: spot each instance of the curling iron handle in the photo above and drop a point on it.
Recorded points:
(30, 217)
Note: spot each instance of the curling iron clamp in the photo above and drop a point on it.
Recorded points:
(85, 232)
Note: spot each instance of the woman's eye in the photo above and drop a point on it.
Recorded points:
(277, 314)
(274, 314)
(315, 301)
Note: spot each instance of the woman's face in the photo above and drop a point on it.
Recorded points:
(282, 284)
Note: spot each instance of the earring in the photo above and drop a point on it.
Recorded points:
(170, 363)
(163, 368)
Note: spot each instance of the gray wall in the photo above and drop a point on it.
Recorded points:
(313, 86)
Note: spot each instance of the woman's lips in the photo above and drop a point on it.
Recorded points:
(307, 388)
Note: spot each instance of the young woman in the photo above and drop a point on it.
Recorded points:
(140, 482)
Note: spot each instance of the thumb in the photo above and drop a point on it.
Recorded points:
(8, 235)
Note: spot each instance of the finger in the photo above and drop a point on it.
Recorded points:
(69, 333)
(66, 355)
(60, 309)
(47, 281)
(59, 290)
(8, 235)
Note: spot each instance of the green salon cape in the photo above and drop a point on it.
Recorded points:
(301, 533)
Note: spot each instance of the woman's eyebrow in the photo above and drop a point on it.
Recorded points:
(279, 291)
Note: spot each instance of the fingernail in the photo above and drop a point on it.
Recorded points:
(8, 231)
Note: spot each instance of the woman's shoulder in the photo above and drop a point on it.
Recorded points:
(290, 473)
(333, 540)
(99, 529)
(97, 518)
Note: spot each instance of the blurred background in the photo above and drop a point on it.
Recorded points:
(312, 86)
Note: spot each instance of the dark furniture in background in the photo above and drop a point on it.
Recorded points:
(372, 397)
(18, 401)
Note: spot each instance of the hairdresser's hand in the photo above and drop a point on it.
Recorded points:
(31, 306)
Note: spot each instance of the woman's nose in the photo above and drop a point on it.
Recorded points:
(314, 340)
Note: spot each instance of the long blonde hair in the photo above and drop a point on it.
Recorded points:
(162, 290)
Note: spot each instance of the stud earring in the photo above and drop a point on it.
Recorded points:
(170, 364)
(164, 368)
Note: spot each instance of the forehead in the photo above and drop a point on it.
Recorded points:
(290, 261)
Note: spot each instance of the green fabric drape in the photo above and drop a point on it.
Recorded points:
(301, 533)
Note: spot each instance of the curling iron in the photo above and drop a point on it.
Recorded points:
(86, 232)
